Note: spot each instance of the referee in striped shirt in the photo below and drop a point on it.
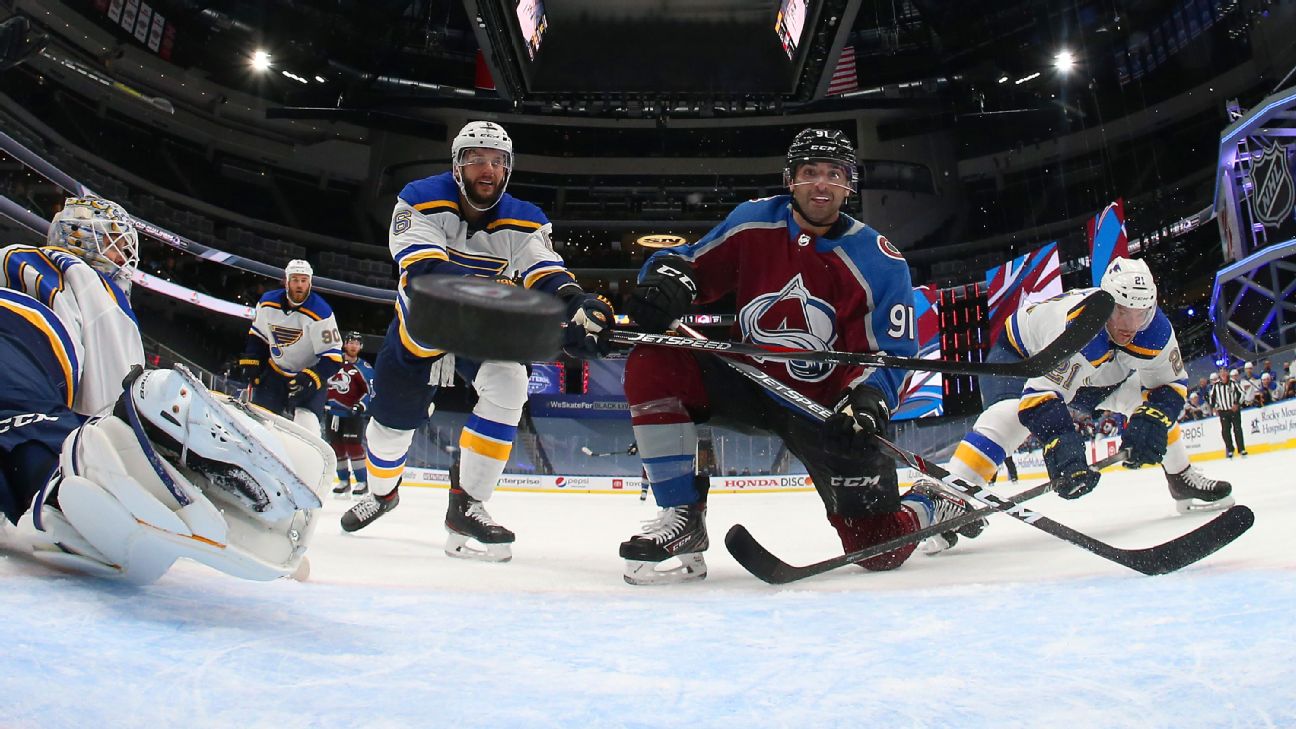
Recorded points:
(1226, 399)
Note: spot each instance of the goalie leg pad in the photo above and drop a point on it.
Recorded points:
(110, 527)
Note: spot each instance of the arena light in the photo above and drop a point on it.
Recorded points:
(260, 60)
(1024, 79)
(1064, 61)
(1003, 79)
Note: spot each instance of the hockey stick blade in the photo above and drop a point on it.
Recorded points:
(1089, 318)
(758, 560)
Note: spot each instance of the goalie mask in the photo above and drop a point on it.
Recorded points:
(471, 148)
(101, 233)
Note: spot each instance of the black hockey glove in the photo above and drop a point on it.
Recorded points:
(862, 412)
(665, 294)
(588, 332)
(302, 387)
(1146, 436)
(247, 369)
(1064, 456)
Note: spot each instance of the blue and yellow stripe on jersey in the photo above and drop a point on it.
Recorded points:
(35, 327)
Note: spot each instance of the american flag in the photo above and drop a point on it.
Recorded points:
(844, 77)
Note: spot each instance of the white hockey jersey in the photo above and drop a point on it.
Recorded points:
(1152, 355)
(297, 337)
(94, 310)
(429, 235)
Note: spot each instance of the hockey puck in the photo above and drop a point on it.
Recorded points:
(483, 320)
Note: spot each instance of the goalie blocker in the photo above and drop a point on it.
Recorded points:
(176, 471)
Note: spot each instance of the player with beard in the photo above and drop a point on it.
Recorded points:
(462, 223)
(293, 348)
(804, 274)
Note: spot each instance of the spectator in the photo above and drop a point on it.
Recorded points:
(1268, 370)
(1203, 387)
(1268, 391)
(1195, 409)
(1248, 388)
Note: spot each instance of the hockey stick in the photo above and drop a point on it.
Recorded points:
(586, 450)
(758, 560)
(1160, 559)
(1087, 320)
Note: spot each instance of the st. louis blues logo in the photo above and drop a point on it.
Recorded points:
(793, 317)
(283, 337)
(1275, 191)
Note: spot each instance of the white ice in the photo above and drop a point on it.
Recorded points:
(1013, 629)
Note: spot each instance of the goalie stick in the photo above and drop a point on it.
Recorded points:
(1089, 317)
(759, 561)
(1160, 559)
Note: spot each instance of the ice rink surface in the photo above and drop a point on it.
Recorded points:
(1014, 629)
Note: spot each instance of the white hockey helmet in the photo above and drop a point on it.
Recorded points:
(1130, 283)
(481, 135)
(101, 233)
(298, 265)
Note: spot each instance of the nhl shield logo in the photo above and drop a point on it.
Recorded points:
(1275, 192)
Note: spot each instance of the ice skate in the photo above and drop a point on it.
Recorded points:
(946, 506)
(360, 490)
(340, 491)
(678, 531)
(1193, 490)
(467, 518)
(368, 509)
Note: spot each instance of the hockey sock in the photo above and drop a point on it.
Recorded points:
(1176, 457)
(385, 456)
(484, 448)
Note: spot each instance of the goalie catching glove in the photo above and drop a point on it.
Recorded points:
(589, 328)
(175, 472)
(665, 294)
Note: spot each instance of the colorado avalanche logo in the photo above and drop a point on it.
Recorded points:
(340, 382)
(792, 318)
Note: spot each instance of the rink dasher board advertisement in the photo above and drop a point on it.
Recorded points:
(1272, 427)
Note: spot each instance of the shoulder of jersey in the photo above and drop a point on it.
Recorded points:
(513, 212)
(316, 304)
(273, 297)
(435, 194)
(1151, 340)
(865, 243)
(761, 210)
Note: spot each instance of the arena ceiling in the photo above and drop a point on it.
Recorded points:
(966, 55)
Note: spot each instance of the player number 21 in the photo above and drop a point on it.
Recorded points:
(902, 322)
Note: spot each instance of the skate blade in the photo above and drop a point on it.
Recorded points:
(341, 496)
(932, 546)
(1197, 506)
(457, 546)
(692, 567)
